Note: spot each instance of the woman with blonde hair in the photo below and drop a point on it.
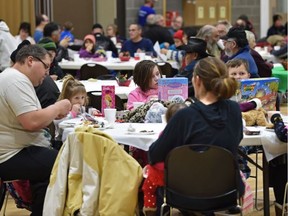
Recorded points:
(212, 119)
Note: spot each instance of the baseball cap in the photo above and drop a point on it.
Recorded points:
(238, 34)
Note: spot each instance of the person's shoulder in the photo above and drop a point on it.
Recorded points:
(146, 40)
(11, 75)
(232, 104)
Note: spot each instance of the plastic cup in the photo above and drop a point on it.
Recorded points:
(142, 56)
(109, 55)
(110, 116)
(136, 56)
(76, 57)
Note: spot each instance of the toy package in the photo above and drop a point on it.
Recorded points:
(172, 87)
(263, 88)
(108, 97)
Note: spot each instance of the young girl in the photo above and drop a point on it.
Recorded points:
(88, 48)
(75, 92)
(155, 173)
(146, 75)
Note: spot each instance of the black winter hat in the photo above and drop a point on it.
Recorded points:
(14, 53)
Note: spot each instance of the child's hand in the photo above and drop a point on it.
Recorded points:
(89, 47)
(76, 108)
(65, 42)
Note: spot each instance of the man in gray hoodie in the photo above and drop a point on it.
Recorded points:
(7, 45)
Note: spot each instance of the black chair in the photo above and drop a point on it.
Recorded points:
(95, 101)
(92, 70)
(201, 178)
(166, 69)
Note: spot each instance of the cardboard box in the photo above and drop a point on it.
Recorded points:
(170, 87)
(108, 97)
(263, 88)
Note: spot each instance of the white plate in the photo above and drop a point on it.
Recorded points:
(70, 123)
(141, 133)
(269, 129)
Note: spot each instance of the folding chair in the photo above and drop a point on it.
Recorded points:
(92, 70)
(166, 69)
(201, 178)
(8, 188)
(257, 168)
(95, 101)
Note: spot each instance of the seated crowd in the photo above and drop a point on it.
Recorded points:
(212, 58)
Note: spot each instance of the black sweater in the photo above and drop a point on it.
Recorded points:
(217, 124)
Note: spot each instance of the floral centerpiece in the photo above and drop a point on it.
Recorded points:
(122, 79)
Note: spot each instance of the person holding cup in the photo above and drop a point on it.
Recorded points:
(88, 48)
(146, 75)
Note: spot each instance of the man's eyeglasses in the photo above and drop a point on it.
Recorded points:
(132, 30)
(47, 67)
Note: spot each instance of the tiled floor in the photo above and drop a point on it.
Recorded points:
(13, 211)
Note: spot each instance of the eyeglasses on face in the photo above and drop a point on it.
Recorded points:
(132, 30)
(47, 67)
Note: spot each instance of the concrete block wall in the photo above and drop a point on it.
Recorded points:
(132, 7)
(251, 8)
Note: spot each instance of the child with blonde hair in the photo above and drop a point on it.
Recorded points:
(75, 92)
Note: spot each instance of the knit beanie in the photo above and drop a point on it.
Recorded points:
(47, 44)
(14, 53)
(179, 35)
(90, 37)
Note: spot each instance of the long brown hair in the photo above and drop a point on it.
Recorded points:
(71, 87)
(214, 75)
(142, 73)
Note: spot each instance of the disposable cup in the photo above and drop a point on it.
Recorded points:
(109, 55)
(110, 116)
(142, 56)
(76, 57)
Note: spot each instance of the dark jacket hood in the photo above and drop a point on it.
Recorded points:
(215, 114)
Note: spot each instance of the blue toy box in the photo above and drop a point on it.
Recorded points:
(263, 88)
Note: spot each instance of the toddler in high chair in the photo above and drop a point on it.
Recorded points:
(154, 174)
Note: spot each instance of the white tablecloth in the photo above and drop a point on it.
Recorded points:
(271, 145)
(114, 64)
(94, 85)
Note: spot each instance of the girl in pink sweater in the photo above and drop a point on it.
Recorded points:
(146, 75)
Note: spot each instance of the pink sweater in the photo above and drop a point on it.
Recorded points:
(138, 95)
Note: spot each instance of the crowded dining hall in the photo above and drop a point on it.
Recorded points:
(143, 108)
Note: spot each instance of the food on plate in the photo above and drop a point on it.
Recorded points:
(146, 131)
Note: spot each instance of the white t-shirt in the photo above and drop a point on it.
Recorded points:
(17, 96)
